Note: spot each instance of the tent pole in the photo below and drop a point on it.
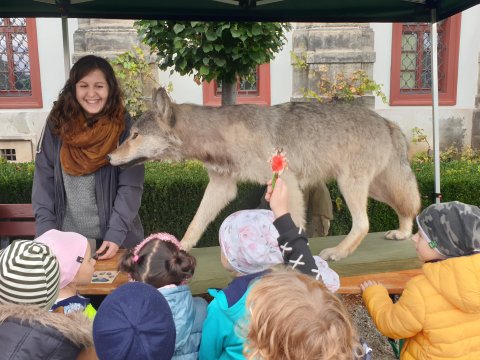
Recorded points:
(66, 46)
(436, 137)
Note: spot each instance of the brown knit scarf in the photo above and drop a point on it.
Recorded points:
(85, 149)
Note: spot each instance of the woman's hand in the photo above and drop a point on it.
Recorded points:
(108, 249)
(368, 283)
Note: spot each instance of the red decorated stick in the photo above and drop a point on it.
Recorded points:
(279, 163)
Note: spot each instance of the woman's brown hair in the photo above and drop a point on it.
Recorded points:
(66, 108)
(159, 263)
(294, 317)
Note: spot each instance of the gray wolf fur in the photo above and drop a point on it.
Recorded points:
(365, 153)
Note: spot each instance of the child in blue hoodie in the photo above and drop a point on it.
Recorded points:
(251, 242)
(161, 262)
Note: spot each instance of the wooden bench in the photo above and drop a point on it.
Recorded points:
(392, 263)
(16, 221)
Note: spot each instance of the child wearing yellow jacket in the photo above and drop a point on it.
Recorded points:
(438, 313)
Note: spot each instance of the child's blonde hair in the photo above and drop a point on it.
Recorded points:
(293, 316)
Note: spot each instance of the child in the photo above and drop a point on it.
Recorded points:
(134, 322)
(249, 245)
(439, 311)
(294, 317)
(76, 268)
(29, 284)
(161, 262)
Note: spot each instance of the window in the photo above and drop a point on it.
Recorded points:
(411, 72)
(256, 91)
(8, 154)
(19, 69)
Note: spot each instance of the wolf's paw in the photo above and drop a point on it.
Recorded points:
(396, 235)
(332, 254)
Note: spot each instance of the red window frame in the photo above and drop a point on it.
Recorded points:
(448, 66)
(33, 97)
(263, 96)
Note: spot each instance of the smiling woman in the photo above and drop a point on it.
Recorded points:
(74, 187)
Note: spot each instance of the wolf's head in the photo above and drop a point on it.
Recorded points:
(152, 136)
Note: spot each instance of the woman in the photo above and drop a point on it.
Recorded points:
(74, 187)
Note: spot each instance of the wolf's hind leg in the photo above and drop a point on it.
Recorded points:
(219, 192)
(397, 187)
(355, 193)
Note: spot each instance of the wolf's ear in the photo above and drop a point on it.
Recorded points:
(163, 104)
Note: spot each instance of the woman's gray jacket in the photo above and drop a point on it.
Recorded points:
(118, 193)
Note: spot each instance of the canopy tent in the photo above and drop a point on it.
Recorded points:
(257, 10)
(241, 10)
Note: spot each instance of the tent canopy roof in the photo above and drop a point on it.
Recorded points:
(240, 10)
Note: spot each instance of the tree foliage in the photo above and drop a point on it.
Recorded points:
(212, 50)
(133, 70)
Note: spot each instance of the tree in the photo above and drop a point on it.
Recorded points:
(221, 51)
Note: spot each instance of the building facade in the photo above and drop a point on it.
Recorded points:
(394, 55)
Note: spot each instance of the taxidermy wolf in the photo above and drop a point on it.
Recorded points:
(365, 153)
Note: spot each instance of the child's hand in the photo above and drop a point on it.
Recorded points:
(368, 283)
(278, 197)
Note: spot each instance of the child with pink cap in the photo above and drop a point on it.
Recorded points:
(73, 253)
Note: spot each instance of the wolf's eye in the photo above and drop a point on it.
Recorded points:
(134, 136)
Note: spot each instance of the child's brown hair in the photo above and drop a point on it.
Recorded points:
(158, 261)
(293, 316)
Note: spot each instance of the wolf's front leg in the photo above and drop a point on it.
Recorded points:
(219, 192)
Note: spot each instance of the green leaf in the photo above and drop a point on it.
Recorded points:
(177, 43)
(207, 47)
(211, 35)
(204, 70)
(219, 61)
(178, 28)
(257, 29)
(182, 64)
(206, 60)
(258, 57)
(236, 33)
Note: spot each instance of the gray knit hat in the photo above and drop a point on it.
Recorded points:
(29, 274)
(451, 228)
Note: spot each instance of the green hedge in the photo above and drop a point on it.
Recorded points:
(173, 192)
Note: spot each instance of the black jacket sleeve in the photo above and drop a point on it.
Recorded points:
(293, 244)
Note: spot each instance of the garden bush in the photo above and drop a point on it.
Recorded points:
(173, 191)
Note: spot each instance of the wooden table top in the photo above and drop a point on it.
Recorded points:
(103, 288)
(393, 263)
